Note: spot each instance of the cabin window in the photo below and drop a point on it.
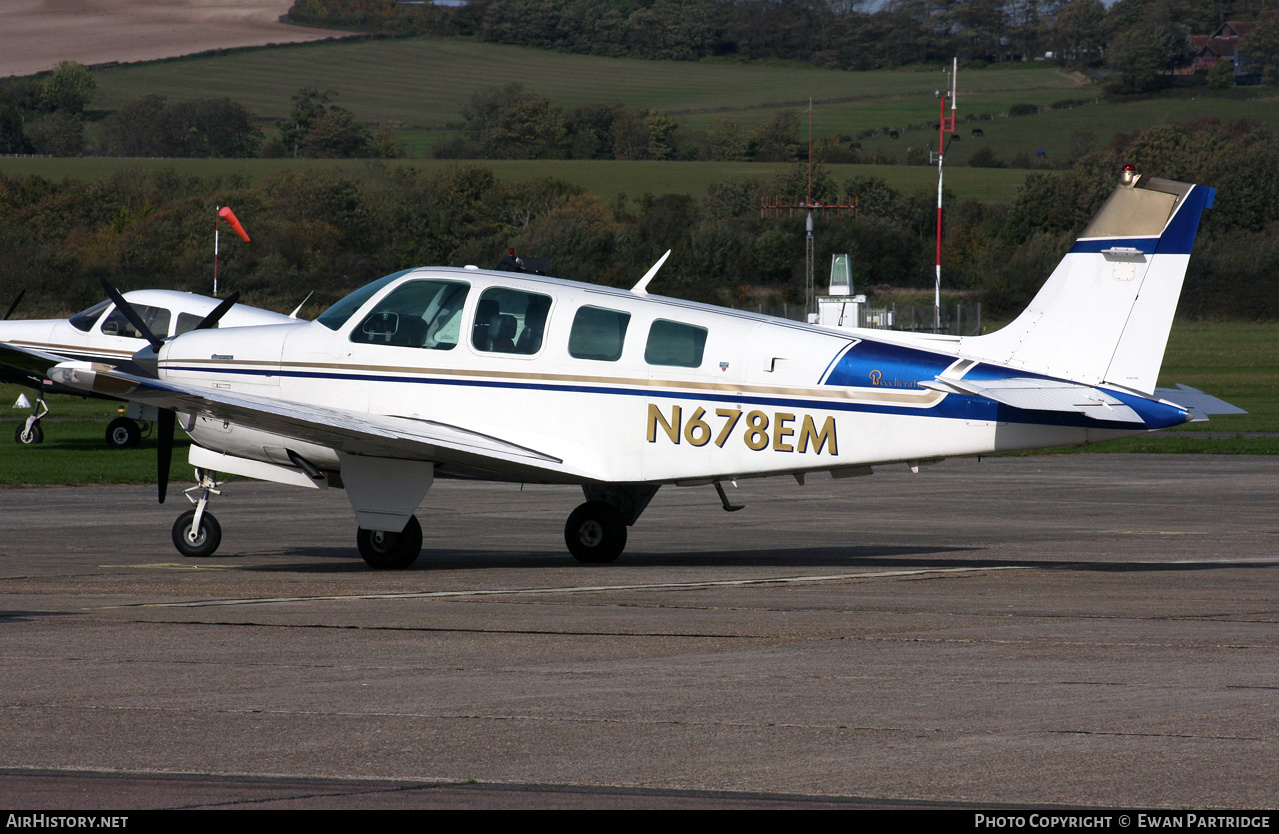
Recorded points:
(85, 319)
(156, 319)
(510, 321)
(338, 315)
(672, 343)
(417, 314)
(187, 323)
(598, 334)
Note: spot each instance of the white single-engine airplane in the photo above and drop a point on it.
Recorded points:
(103, 334)
(463, 373)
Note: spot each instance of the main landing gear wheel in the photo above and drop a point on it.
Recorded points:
(595, 533)
(390, 551)
(123, 433)
(205, 540)
(29, 437)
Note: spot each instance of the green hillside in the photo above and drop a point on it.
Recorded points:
(424, 81)
(420, 84)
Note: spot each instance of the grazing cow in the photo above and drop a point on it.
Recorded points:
(978, 132)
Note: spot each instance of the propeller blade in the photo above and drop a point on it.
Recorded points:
(218, 312)
(14, 305)
(164, 451)
(132, 315)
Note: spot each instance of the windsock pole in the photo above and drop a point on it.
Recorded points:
(216, 228)
(224, 213)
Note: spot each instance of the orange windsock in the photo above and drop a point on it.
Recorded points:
(229, 216)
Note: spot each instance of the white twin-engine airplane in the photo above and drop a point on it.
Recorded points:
(462, 373)
(103, 334)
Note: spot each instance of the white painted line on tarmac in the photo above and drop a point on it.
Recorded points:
(573, 589)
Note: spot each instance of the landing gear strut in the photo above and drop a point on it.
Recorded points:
(196, 533)
(390, 551)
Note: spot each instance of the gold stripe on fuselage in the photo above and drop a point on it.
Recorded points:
(919, 398)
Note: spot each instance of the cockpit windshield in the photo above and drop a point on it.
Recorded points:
(337, 315)
(85, 319)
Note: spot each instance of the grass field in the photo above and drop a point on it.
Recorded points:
(420, 84)
(423, 83)
(1237, 362)
(605, 178)
(1055, 130)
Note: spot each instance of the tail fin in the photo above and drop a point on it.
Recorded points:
(1105, 312)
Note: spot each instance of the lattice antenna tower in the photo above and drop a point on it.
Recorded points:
(774, 206)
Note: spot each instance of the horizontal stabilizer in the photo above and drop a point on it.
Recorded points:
(1042, 395)
(1198, 403)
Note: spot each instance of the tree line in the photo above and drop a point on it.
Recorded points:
(1130, 36)
(510, 122)
(152, 126)
(332, 231)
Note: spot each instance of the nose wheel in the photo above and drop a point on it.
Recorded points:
(196, 540)
(595, 533)
(196, 533)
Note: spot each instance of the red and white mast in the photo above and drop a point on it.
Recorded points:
(945, 126)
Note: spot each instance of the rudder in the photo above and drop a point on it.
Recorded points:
(1105, 313)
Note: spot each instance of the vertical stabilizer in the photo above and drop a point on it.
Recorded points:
(1105, 312)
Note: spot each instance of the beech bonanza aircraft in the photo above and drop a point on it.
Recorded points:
(103, 334)
(462, 373)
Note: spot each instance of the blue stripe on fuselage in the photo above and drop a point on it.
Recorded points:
(878, 365)
(950, 406)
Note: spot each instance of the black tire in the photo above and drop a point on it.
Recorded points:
(206, 540)
(595, 533)
(123, 433)
(31, 438)
(390, 551)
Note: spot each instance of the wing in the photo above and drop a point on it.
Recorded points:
(374, 435)
(27, 361)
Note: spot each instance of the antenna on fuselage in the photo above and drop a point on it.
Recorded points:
(642, 287)
(298, 309)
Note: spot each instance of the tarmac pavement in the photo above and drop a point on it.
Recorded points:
(1078, 630)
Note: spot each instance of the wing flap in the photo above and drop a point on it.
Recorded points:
(356, 433)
